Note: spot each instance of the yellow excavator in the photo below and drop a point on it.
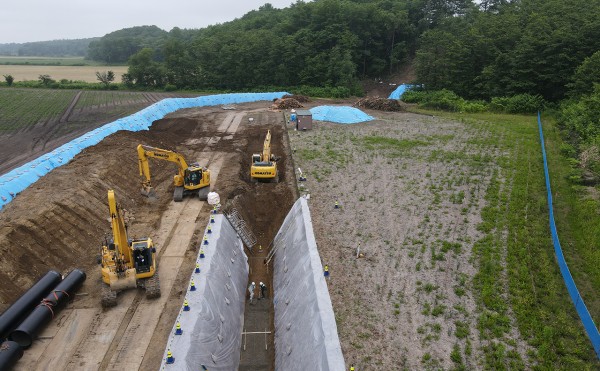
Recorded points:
(190, 179)
(126, 263)
(264, 165)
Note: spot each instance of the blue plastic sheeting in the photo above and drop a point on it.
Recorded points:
(22, 177)
(584, 314)
(340, 114)
(397, 94)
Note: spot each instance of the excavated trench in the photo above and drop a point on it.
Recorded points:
(60, 221)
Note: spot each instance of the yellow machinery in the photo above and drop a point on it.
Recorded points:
(126, 263)
(264, 165)
(193, 179)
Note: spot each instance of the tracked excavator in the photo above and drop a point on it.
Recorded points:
(126, 263)
(190, 179)
(264, 165)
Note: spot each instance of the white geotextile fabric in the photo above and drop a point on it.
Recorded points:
(305, 330)
(212, 328)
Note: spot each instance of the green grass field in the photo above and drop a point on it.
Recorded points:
(518, 272)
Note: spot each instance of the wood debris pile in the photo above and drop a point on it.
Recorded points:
(299, 98)
(286, 103)
(380, 104)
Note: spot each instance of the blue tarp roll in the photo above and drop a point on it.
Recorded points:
(584, 314)
(340, 114)
(22, 177)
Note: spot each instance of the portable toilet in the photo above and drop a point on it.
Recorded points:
(304, 120)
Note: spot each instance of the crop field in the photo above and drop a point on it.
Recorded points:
(107, 98)
(20, 108)
(47, 61)
(39, 120)
(75, 73)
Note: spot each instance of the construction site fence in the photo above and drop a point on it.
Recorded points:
(17, 180)
(582, 311)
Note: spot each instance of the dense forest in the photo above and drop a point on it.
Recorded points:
(54, 48)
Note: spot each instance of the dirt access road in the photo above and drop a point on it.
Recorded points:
(60, 222)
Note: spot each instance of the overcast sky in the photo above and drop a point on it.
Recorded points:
(41, 20)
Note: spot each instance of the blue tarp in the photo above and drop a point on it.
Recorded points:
(22, 177)
(340, 114)
(580, 307)
(397, 94)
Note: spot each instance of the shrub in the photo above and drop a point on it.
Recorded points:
(520, 103)
(445, 100)
(474, 106)
(170, 87)
(413, 96)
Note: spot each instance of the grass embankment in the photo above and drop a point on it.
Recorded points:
(518, 275)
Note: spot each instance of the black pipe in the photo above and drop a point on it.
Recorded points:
(45, 311)
(10, 353)
(11, 317)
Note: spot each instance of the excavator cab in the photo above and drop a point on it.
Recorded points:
(193, 176)
(142, 256)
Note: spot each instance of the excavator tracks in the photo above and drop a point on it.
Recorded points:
(109, 297)
(152, 286)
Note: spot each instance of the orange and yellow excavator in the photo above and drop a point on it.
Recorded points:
(190, 179)
(264, 165)
(126, 263)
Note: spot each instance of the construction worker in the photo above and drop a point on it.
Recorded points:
(251, 289)
(326, 271)
(352, 368)
(263, 290)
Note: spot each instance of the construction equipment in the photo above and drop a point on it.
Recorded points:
(193, 179)
(264, 165)
(126, 263)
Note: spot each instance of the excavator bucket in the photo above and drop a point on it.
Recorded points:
(148, 192)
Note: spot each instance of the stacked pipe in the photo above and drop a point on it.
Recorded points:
(11, 318)
(44, 312)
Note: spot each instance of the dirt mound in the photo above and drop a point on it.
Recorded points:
(299, 98)
(380, 104)
(286, 103)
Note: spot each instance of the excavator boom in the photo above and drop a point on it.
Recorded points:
(118, 228)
